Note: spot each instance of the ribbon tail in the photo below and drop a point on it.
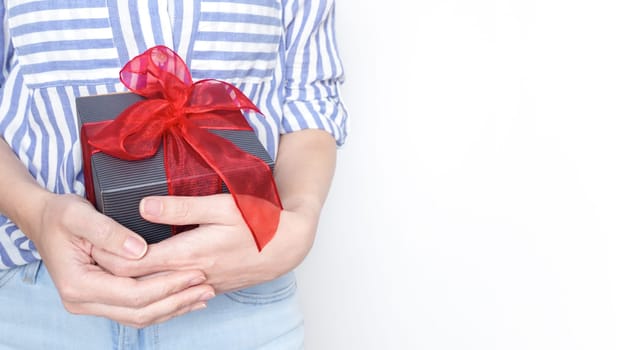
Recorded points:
(248, 178)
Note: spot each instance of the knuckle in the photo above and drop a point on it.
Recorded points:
(137, 300)
(207, 263)
(181, 209)
(103, 231)
(163, 291)
(141, 319)
(68, 294)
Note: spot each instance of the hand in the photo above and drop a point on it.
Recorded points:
(65, 234)
(221, 246)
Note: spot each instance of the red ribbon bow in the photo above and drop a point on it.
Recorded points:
(176, 112)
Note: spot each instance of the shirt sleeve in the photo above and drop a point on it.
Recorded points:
(313, 69)
(6, 48)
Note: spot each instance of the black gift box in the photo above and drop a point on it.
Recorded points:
(120, 184)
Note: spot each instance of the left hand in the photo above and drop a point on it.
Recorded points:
(222, 245)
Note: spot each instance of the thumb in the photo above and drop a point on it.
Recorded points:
(107, 234)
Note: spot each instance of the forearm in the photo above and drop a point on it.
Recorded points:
(304, 170)
(20, 195)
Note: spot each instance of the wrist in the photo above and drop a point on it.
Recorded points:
(31, 212)
(292, 242)
(308, 207)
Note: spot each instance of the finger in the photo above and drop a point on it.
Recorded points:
(129, 292)
(180, 303)
(185, 251)
(151, 263)
(176, 210)
(104, 232)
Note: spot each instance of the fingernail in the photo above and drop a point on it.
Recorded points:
(135, 246)
(198, 306)
(207, 296)
(151, 206)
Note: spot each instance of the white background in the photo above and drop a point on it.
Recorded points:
(478, 201)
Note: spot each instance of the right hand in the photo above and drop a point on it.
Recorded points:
(65, 233)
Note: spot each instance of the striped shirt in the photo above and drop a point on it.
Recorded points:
(280, 53)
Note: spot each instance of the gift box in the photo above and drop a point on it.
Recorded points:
(119, 184)
(172, 136)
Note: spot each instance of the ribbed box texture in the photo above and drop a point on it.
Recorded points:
(120, 185)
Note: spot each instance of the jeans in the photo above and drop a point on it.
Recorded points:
(264, 317)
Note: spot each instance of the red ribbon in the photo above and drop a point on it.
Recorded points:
(177, 113)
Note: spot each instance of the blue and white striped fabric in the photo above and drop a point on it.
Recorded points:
(281, 53)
